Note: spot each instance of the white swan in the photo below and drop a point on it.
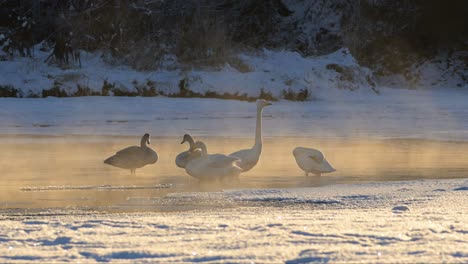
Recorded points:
(312, 161)
(184, 157)
(212, 166)
(250, 157)
(134, 157)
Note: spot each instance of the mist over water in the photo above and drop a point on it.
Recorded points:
(63, 162)
(56, 147)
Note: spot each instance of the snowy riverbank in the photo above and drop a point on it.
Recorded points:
(272, 71)
(390, 222)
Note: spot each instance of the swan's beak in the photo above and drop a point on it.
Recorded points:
(183, 141)
(148, 141)
(268, 103)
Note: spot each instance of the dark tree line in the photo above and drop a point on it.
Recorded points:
(390, 34)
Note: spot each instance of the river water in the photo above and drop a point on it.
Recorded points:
(43, 172)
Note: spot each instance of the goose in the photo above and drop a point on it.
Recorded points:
(134, 157)
(249, 157)
(212, 166)
(191, 153)
(312, 161)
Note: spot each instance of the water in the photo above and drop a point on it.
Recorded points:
(42, 172)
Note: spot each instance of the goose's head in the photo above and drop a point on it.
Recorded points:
(145, 139)
(262, 103)
(189, 139)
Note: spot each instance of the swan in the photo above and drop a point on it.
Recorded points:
(134, 157)
(212, 166)
(250, 157)
(186, 156)
(312, 161)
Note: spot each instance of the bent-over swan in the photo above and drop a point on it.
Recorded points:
(134, 157)
(212, 166)
(312, 161)
(250, 157)
(186, 156)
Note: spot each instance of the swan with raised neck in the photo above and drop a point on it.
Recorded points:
(250, 157)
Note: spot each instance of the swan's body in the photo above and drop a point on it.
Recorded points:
(312, 161)
(134, 157)
(184, 157)
(249, 157)
(212, 166)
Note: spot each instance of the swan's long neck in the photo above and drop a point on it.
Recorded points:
(192, 144)
(143, 142)
(202, 146)
(258, 130)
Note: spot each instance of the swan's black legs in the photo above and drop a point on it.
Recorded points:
(306, 174)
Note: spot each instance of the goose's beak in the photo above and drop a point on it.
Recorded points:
(183, 141)
(148, 141)
(268, 103)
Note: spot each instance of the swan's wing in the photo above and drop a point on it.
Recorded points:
(130, 151)
(220, 160)
(316, 158)
(183, 158)
(150, 156)
(241, 154)
(313, 154)
(127, 158)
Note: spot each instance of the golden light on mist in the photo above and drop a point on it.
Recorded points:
(71, 161)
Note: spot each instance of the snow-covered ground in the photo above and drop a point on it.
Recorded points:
(393, 222)
(394, 113)
(273, 71)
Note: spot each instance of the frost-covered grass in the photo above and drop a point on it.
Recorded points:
(419, 221)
